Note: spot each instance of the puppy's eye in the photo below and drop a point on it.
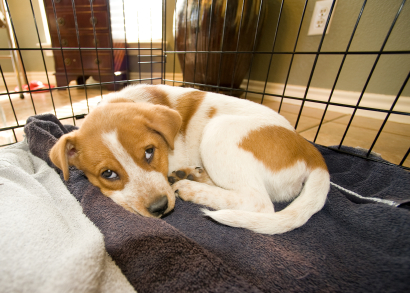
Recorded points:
(108, 174)
(149, 154)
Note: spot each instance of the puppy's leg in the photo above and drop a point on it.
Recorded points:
(219, 198)
(197, 174)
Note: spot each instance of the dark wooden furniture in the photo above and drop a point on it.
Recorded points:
(69, 64)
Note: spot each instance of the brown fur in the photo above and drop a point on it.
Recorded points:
(187, 106)
(279, 148)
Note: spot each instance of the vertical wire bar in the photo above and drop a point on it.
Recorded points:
(273, 50)
(150, 19)
(388, 115)
(164, 40)
(8, 94)
(42, 55)
(112, 45)
(21, 57)
(96, 45)
(14, 134)
(196, 40)
(62, 55)
(186, 33)
(372, 70)
(139, 46)
(340, 68)
(209, 41)
(126, 43)
(79, 50)
(315, 62)
(293, 55)
(222, 48)
(254, 47)
(175, 42)
(237, 48)
(405, 157)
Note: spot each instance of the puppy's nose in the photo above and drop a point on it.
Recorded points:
(159, 207)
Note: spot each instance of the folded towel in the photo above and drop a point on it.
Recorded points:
(350, 245)
(47, 244)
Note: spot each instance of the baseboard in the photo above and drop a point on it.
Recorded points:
(371, 100)
(376, 101)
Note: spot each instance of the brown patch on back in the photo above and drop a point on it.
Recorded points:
(187, 106)
(211, 112)
(278, 148)
(158, 96)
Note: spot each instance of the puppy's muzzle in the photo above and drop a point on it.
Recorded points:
(158, 208)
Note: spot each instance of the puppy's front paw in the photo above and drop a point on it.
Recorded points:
(197, 174)
(184, 189)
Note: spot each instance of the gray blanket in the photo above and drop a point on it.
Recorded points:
(356, 243)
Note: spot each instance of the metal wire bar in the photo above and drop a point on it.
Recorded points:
(175, 43)
(111, 42)
(209, 41)
(399, 52)
(237, 47)
(62, 55)
(79, 51)
(21, 57)
(196, 38)
(273, 49)
(404, 159)
(125, 39)
(222, 45)
(186, 32)
(388, 114)
(301, 99)
(254, 46)
(164, 39)
(372, 70)
(8, 94)
(365, 157)
(293, 56)
(96, 45)
(340, 68)
(42, 55)
(139, 47)
(314, 63)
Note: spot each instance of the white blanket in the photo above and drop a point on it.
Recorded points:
(47, 244)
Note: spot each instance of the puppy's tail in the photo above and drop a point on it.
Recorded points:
(310, 200)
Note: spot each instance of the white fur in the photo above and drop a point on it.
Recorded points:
(138, 177)
(245, 187)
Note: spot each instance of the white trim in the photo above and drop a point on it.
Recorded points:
(342, 97)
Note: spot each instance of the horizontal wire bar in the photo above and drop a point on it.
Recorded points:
(213, 52)
(364, 157)
(294, 98)
(82, 86)
(77, 48)
(296, 53)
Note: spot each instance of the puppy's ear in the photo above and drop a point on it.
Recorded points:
(64, 152)
(165, 121)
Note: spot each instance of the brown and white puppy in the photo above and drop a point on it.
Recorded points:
(141, 137)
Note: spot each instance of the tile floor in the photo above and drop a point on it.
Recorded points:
(392, 144)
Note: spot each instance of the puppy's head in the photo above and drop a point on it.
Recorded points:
(122, 147)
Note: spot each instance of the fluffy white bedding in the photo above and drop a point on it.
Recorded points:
(47, 244)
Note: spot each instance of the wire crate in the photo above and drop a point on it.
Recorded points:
(346, 86)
